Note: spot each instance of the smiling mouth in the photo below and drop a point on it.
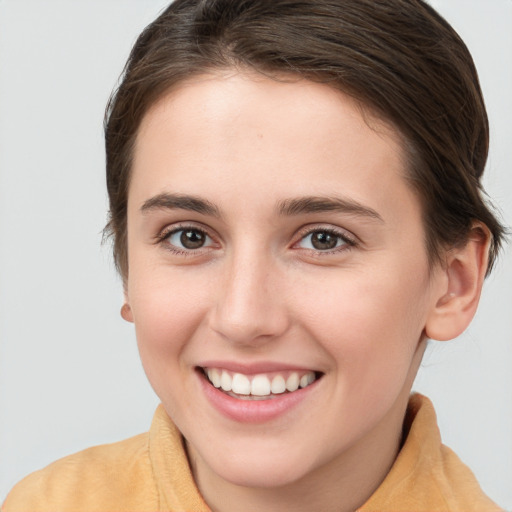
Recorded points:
(262, 386)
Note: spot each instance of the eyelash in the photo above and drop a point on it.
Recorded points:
(348, 241)
(163, 239)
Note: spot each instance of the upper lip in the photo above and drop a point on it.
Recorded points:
(254, 367)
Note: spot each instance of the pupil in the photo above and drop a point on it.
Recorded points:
(323, 240)
(192, 239)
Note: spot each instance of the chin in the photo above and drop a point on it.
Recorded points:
(258, 469)
(267, 475)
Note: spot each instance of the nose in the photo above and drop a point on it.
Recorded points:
(251, 307)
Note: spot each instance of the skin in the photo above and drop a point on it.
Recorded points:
(259, 291)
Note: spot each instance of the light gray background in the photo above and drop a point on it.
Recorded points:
(69, 370)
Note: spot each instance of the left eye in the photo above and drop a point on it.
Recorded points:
(189, 239)
(322, 240)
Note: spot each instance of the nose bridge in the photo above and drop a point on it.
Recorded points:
(250, 308)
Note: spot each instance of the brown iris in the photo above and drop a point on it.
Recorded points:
(323, 240)
(192, 238)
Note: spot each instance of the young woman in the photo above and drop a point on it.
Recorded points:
(296, 208)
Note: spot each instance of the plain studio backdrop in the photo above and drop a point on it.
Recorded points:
(70, 376)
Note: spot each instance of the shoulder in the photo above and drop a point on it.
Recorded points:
(114, 476)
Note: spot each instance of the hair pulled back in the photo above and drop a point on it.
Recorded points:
(399, 58)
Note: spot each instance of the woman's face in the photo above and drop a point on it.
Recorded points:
(273, 241)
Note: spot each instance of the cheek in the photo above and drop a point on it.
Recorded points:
(167, 315)
(371, 324)
(167, 312)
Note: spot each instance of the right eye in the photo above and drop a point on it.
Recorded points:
(187, 239)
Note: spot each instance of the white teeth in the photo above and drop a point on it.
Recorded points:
(292, 382)
(260, 386)
(303, 381)
(214, 377)
(241, 385)
(225, 381)
(278, 385)
(307, 379)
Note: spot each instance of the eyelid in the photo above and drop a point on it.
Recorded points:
(163, 235)
(347, 237)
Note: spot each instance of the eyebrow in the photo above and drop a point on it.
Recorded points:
(287, 207)
(180, 202)
(314, 204)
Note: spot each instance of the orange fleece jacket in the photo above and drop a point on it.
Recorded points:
(150, 472)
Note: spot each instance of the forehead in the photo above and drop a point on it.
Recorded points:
(251, 132)
(249, 96)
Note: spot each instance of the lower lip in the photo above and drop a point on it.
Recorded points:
(253, 411)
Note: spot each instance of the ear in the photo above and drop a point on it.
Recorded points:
(461, 282)
(126, 310)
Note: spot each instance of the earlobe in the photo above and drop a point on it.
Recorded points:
(126, 312)
(462, 281)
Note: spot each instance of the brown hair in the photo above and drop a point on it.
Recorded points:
(399, 58)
